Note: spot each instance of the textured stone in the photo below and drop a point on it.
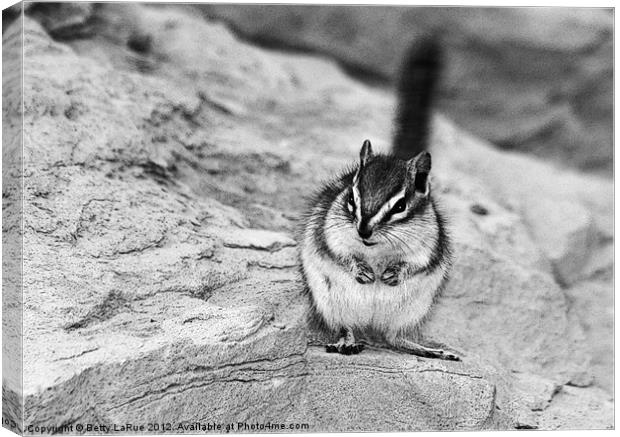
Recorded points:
(63, 20)
(160, 277)
(12, 250)
(592, 307)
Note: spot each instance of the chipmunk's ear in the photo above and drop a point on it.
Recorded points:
(418, 169)
(366, 153)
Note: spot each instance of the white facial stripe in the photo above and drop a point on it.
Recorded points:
(358, 203)
(387, 207)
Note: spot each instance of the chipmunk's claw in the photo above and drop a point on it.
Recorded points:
(364, 274)
(331, 348)
(408, 346)
(346, 344)
(344, 349)
(391, 276)
(450, 356)
(364, 278)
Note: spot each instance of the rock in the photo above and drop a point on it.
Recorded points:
(537, 392)
(445, 396)
(574, 243)
(258, 239)
(63, 20)
(479, 209)
(576, 408)
(568, 246)
(592, 309)
(560, 106)
(160, 261)
(473, 304)
(12, 231)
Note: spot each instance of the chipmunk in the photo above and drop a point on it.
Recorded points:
(375, 252)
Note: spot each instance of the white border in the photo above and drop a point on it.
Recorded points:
(477, 3)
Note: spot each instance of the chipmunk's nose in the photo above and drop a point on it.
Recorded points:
(364, 231)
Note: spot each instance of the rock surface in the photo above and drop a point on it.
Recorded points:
(162, 182)
(12, 302)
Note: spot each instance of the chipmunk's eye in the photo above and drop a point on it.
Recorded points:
(351, 200)
(399, 206)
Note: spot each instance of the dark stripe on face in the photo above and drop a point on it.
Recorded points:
(419, 208)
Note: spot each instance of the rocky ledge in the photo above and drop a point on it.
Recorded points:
(162, 185)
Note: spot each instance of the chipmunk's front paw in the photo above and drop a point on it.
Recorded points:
(393, 275)
(364, 273)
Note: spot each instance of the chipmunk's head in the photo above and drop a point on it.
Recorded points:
(387, 192)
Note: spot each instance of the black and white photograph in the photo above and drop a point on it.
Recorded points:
(225, 218)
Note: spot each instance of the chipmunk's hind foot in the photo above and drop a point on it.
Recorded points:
(445, 355)
(346, 345)
(344, 349)
(413, 348)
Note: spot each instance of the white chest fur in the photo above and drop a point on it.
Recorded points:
(342, 301)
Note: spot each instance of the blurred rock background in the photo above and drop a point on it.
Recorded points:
(166, 162)
(536, 80)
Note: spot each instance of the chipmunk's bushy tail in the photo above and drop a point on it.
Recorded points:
(418, 78)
